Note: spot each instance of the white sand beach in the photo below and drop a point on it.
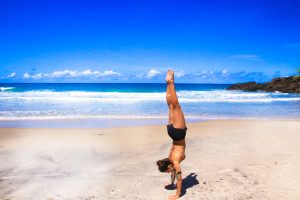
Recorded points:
(225, 159)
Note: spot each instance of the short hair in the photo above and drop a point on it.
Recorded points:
(163, 164)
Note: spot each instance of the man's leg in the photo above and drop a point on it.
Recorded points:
(172, 100)
(170, 106)
(171, 113)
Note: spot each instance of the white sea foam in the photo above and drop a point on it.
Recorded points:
(34, 105)
(6, 88)
(121, 97)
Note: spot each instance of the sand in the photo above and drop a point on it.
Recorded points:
(226, 159)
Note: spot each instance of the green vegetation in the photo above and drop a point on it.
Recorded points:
(297, 77)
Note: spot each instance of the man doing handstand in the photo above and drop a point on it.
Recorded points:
(176, 130)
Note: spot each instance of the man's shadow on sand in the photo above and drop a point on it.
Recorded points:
(187, 183)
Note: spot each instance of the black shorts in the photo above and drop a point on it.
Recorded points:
(176, 133)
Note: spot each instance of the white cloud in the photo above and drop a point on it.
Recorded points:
(225, 76)
(34, 76)
(247, 57)
(63, 73)
(224, 71)
(89, 72)
(108, 73)
(179, 74)
(26, 76)
(140, 76)
(13, 74)
(37, 76)
(152, 73)
(73, 74)
(204, 74)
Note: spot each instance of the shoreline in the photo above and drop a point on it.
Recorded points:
(115, 122)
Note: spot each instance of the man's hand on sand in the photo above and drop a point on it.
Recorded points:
(173, 197)
(170, 76)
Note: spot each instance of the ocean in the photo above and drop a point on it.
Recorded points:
(118, 104)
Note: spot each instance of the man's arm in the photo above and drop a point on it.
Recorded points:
(178, 176)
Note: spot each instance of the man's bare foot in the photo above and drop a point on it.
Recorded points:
(170, 76)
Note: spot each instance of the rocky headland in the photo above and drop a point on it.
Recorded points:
(289, 84)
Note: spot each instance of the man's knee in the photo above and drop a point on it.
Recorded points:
(174, 106)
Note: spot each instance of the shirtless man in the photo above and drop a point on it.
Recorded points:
(177, 131)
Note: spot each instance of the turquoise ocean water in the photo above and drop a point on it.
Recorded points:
(117, 104)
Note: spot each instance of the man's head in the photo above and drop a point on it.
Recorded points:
(164, 165)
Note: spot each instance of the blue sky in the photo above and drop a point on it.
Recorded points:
(137, 41)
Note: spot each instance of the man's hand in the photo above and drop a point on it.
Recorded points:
(173, 197)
